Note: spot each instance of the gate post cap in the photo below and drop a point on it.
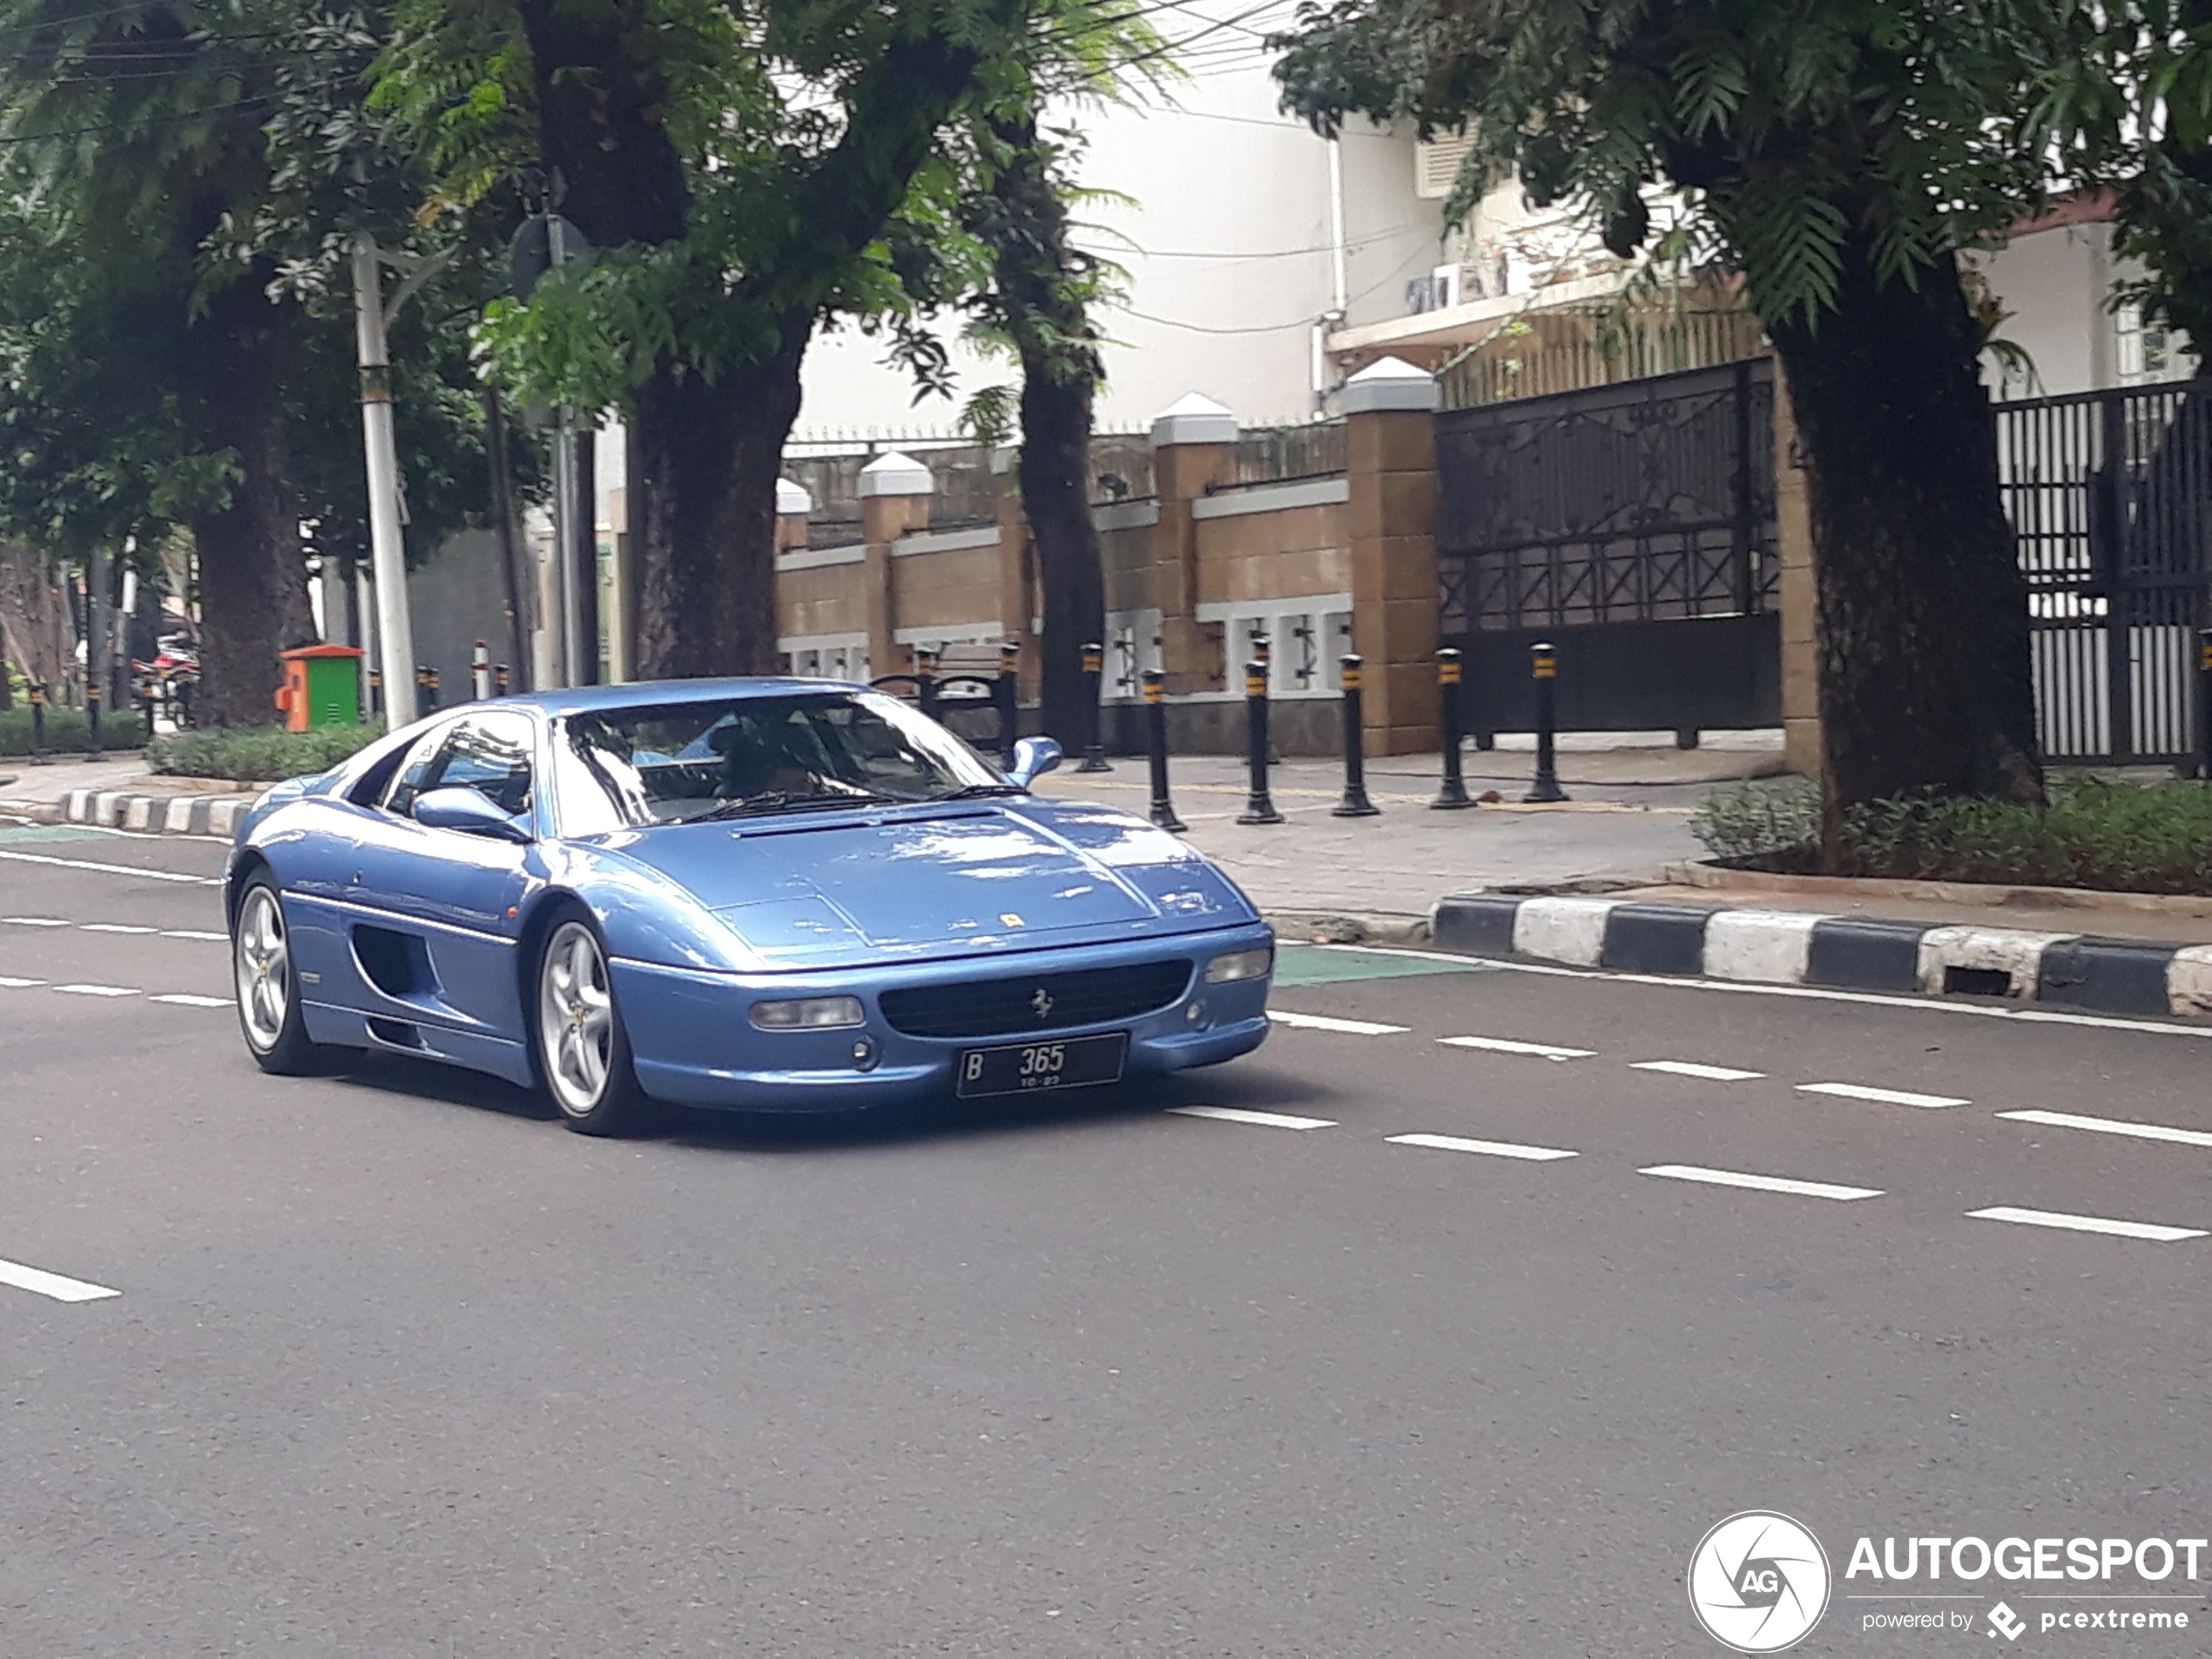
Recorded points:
(793, 499)
(1393, 383)
(894, 474)
(1194, 418)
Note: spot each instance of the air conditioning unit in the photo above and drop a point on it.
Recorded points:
(1436, 163)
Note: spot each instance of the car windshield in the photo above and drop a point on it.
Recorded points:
(738, 756)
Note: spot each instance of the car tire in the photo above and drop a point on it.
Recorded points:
(577, 1042)
(266, 981)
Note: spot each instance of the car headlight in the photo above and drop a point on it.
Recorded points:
(1240, 964)
(808, 1014)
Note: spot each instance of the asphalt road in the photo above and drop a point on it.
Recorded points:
(397, 1366)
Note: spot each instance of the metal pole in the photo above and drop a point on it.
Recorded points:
(564, 650)
(1452, 793)
(1543, 664)
(388, 551)
(584, 669)
(1156, 740)
(1355, 803)
(1094, 673)
(1006, 692)
(1258, 807)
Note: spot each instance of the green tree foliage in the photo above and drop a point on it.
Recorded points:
(1837, 153)
(744, 170)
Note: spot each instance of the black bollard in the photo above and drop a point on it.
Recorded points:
(1094, 673)
(1006, 695)
(499, 680)
(1155, 738)
(1258, 808)
(1355, 803)
(375, 692)
(431, 686)
(1452, 794)
(39, 755)
(1543, 664)
(2204, 702)
(1264, 659)
(92, 722)
(926, 680)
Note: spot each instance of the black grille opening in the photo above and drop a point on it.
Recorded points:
(1036, 1001)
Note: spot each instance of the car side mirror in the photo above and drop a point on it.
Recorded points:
(1033, 758)
(470, 810)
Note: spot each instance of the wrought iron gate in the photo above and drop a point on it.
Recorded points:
(1631, 524)
(2110, 495)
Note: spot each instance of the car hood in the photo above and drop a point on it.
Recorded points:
(822, 891)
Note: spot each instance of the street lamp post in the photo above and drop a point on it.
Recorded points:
(388, 551)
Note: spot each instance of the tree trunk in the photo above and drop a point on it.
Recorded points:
(1923, 612)
(703, 513)
(1055, 453)
(253, 576)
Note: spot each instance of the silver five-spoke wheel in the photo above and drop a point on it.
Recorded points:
(576, 1019)
(261, 959)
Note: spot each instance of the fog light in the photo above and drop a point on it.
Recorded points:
(808, 1014)
(864, 1055)
(1196, 1014)
(1240, 964)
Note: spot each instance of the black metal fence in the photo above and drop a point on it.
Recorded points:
(1634, 524)
(2110, 495)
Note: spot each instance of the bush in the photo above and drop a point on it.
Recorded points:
(1776, 821)
(260, 754)
(2116, 837)
(67, 731)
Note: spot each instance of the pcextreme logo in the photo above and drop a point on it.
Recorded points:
(1759, 1581)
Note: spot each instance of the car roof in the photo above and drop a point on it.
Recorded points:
(587, 699)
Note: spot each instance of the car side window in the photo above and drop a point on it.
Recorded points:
(414, 771)
(490, 753)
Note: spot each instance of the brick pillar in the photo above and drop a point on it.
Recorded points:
(1194, 445)
(794, 506)
(1389, 410)
(894, 498)
(1801, 740)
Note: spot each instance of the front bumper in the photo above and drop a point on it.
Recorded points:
(693, 1040)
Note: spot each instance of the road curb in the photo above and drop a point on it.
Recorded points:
(155, 814)
(1797, 947)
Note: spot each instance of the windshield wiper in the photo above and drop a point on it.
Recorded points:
(981, 792)
(776, 800)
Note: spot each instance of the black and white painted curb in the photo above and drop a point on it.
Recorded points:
(158, 814)
(1796, 948)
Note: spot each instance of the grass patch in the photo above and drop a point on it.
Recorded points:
(2114, 837)
(259, 754)
(67, 733)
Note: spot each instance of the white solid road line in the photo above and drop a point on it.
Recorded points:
(1494, 1148)
(53, 1285)
(1689, 1069)
(1265, 1120)
(99, 990)
(185, 999)
(2113, 1126)
(1325, 1022)
(1887, 1096)
(2087, 1223)
(116, 869)
(1759, 1182)
(1499, 1045)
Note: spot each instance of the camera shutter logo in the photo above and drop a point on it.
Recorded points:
(1759, 1581)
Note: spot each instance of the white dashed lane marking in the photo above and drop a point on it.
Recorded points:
(1759, 1182)
(1491, 1149)
(113, 928)
(1689, 1069)
(1325, 1023)
(2151, 1231)
(186, 1000)
(194, 932)
(1886, 1096)
(99, 990)
(8, 984)
(1265, 1120)
(1500, 1045)
(36, 921)
(2113, 1126)
(54, 1284)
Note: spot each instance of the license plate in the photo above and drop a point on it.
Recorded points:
(1031, 1068)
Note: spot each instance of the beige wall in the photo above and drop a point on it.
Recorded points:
(1282, 555)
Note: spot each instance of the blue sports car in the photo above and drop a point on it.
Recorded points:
(767, 894)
